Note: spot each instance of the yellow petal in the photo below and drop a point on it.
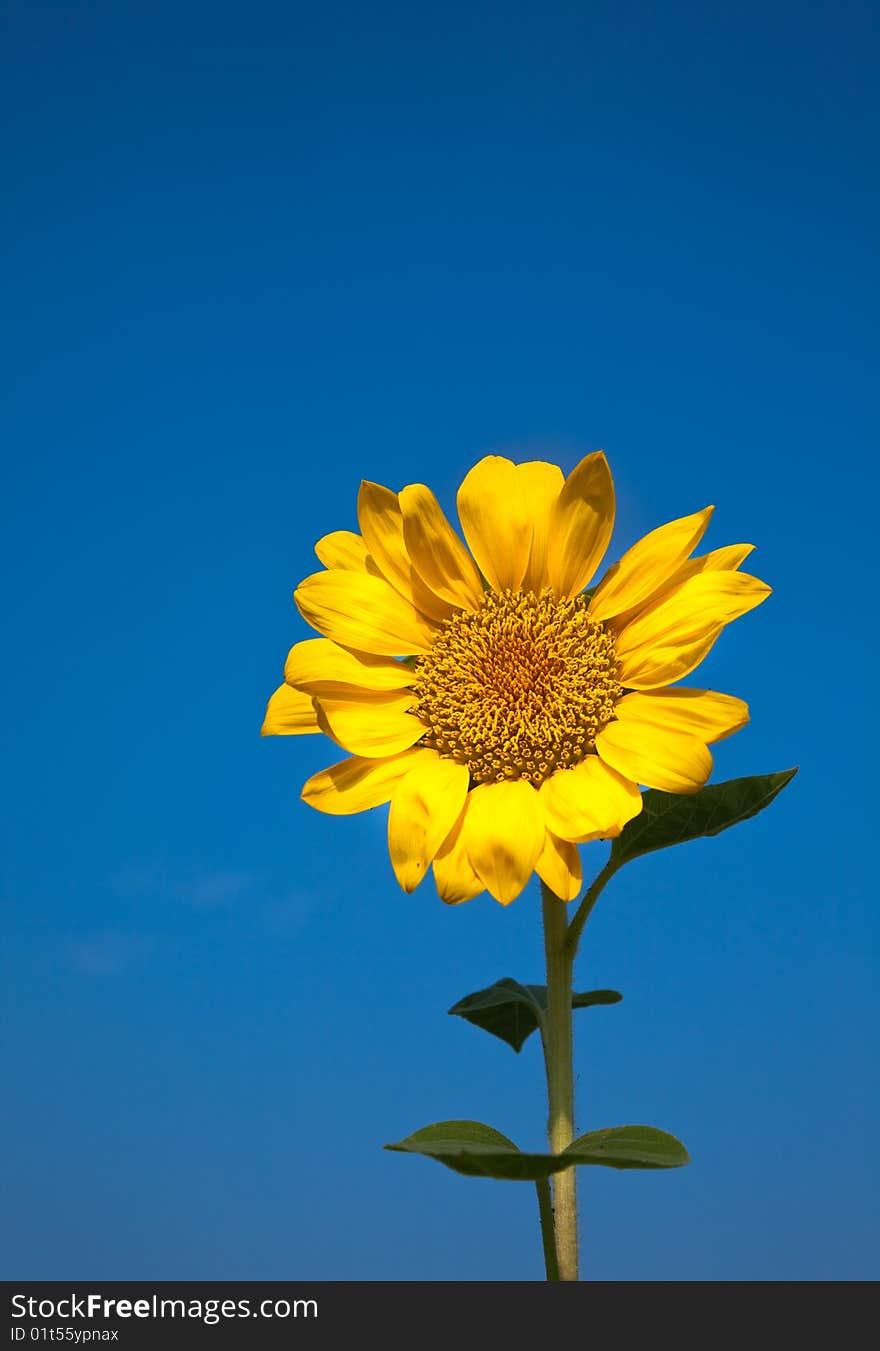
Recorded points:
(289, 713)
(496, 521)
(726, 559)
(559, 866)
(424, 808)
(343, 549)
(670, 636)
(674, 761)
(581, 523)
(541, 486)
(645, 567)
(356, 784)
(381, 523)
(370, 724)
(437, 554)
(704, 713)
(362, 612)
(505, 835)
(321, 667)
(455, 878)
(590, 801)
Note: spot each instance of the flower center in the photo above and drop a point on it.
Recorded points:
(518, 688)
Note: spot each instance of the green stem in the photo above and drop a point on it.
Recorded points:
(548, 1237)
(560, 1077)
(582, 914)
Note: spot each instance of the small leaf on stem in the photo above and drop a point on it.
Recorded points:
(512, 1011)
(629, 1147)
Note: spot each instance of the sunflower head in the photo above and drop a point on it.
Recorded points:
(505, 712)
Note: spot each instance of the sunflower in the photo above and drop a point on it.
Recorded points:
(505, 711)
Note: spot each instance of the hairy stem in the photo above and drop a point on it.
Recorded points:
(548, 1237)
(560, 1077)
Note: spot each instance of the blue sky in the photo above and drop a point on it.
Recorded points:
(254, 254)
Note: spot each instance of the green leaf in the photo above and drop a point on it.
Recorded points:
(512, 1011)
(506, 1009)
(629, 1147)
(477, 1150)
(589, 998)
(669, 818)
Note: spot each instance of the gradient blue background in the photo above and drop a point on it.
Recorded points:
(253, 254)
